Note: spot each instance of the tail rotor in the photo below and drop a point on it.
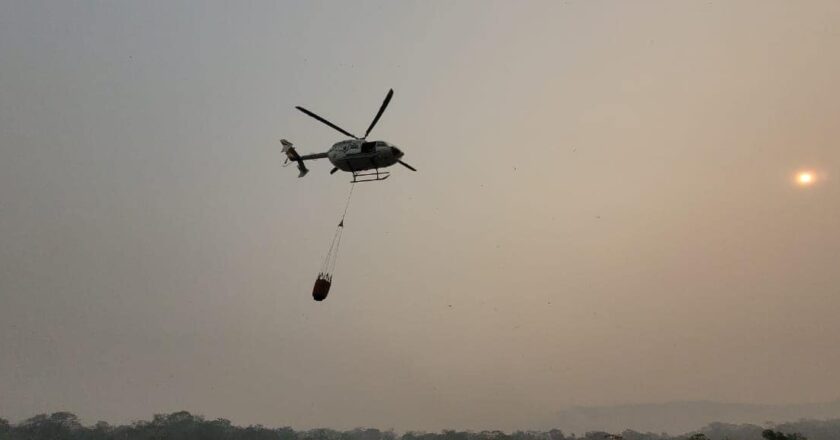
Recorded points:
(292, 155)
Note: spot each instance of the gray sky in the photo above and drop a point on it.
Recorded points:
(605, 210)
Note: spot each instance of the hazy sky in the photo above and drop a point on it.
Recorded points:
(604, 210)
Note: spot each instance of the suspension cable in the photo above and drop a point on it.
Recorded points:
(347, 205)
(332, 254)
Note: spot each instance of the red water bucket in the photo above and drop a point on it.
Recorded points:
(321, 289)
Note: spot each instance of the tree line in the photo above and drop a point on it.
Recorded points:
(183, 425)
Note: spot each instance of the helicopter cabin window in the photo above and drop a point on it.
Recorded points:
(369, 147)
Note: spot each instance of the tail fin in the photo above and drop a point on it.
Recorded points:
(292, 154)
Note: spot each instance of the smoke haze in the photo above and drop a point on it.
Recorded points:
(604, 212)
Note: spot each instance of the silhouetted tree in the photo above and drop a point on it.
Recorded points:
(556, 434)
(770, 434)
(597, 435)
(5, 429)
(60, 425)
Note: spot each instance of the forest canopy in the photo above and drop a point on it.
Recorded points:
(183, 425)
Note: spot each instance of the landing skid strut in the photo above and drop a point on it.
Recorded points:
(370, 176)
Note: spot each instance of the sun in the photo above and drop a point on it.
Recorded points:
(806, 178)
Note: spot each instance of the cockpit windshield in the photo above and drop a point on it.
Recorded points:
(369, 147)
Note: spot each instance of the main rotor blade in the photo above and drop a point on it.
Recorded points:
(326, 122)
(407, 165)
(381, 110)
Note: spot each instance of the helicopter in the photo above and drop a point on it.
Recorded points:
(358, 156)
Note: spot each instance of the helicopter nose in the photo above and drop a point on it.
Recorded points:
(396, 152)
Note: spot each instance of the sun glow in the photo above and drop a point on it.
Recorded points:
(805, 178)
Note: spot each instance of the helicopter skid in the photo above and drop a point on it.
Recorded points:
(370, 176)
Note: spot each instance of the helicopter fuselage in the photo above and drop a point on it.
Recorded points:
(356, 155)
(360, 155)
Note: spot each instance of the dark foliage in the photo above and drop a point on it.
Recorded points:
(770, 434)
(182, 426)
